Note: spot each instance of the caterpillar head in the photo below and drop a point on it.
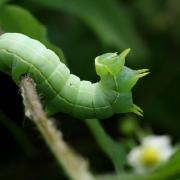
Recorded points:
(120, 79)
(113, 74)
(110, 63)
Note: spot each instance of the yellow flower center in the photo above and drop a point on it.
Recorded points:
(150, 157)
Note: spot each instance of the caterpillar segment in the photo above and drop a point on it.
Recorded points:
(102, 105)
(62, 91)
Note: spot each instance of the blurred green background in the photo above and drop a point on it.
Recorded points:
(84, 29)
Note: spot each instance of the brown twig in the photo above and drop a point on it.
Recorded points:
(74, 165)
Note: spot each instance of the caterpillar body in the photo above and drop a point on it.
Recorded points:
(62, 91)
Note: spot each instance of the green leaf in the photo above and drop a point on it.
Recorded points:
(3, 2)
(17, 19)
(109, 19)
(149, 9)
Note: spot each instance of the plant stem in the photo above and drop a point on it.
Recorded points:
(75, 166)
(112, 149)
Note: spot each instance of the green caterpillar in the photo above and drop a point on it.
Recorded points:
(65, 92)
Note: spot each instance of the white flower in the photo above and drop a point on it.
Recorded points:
(153, 151)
